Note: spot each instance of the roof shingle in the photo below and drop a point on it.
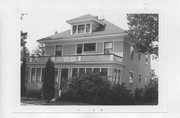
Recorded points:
(107, 29)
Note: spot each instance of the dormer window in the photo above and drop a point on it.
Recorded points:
(82, 28)
(87, 28)
(74, 29)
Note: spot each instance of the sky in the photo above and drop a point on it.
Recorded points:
(43, 22)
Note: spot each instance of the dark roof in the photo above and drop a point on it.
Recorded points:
(106, 29)
(84, 17)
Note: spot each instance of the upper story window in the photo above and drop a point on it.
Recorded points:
(58, 50)
(74, 29)
(79, 48)
(87, 28)
(108, 47)
(82, 28)
(90, 47)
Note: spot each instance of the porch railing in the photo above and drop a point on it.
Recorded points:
(77, 58)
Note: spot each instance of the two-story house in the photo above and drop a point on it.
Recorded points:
(91, 45)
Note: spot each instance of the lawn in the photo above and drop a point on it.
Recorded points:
(26, 101)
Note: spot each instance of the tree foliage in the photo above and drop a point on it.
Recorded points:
(48, 81)
(39, 51)
(96, 89)
(144, 29)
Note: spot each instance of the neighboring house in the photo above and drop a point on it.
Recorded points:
(91, 45)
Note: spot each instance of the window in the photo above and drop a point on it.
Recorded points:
(87, 28)
(58, 50)
(88, 70)
(96, 70)
(79, 48)
(38, 75)
(146, 59)
(74, 29)
(131, 78)
(56, 75)
(104, 71)
(131, 52)
(119, 76)
(108, 47)
(81, 71)
(80, 28)
(33, 76)
(90, 47)
(139, 77)
(74, 72)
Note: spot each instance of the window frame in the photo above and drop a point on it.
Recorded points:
(108, 48)
(58, 51)
(75, 29)
(83, 28)
(84, 49)
(89, 27)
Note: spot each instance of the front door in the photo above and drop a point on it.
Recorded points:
(64, 78)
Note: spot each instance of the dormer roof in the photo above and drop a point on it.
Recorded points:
(84, 18)
(107, 29)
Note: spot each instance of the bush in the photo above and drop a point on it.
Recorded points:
(34, 93)
(139, 95)
(48, 81)
(96, 89)
(151, 92)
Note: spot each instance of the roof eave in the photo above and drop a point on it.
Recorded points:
(85, 20)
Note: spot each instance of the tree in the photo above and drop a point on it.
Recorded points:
(144, 29)
(151, 91)
(48, 81)
(24, 55)
(39, 51)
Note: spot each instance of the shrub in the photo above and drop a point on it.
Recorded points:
(121, 95)
(48, 81)
(34, 93)
(151, 92)
(139, 95)
(96, 89)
